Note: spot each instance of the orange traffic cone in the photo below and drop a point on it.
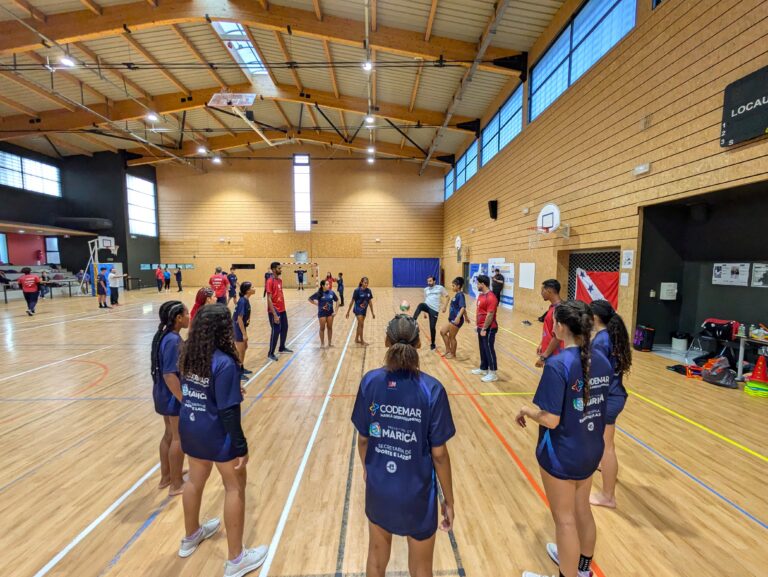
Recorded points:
(759, 374)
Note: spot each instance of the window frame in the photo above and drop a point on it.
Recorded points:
(448, 189)
(302, 174)
(568, 28)
(500, 127)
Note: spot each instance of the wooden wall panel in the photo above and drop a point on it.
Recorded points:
(242, 212)
(657, 98)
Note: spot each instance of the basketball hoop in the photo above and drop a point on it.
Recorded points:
(535, 233)
(113, 249)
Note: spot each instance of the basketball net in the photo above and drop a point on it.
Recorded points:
(535, 234)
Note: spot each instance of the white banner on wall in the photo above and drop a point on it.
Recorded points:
(527, 275)
(760, 275)
(508, 293)
(731, 274)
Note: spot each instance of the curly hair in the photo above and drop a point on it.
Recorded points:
(169, 312)
(202, 295)
(577, 316)
(211, 330)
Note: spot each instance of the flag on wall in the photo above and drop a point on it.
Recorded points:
(593, 286)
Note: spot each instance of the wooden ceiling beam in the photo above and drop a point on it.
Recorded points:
(219, 121)
(122, 79)
(148, 56)
(283, 114)
(69, 77)
(32, 87)
(259, 53)
(374, 11)
(415, 90)
(311, 110)
(331, 71)
(430, 21)
(92, 6)
(198, 55)
(287, 55)
(66, 144)
(318, 10)
(222, 143)
(31, 10)
(96, 140)
(121, 110)
(17, 106)
(82, 25)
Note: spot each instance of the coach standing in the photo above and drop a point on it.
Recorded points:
(435, 298)
(278, 318)
(497, 284)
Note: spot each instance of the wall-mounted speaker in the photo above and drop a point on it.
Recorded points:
(493, 209)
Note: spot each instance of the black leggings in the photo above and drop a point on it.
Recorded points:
(31, 299)
(487, 349)
(114, 294)
(159, 285)
(423, 308)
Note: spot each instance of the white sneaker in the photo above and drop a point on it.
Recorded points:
(251, 560)
(478, 371)
(207, 530)
(490, 377)
(552, 552)
(532, 574)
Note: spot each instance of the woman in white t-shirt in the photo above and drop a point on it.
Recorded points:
(114, 286)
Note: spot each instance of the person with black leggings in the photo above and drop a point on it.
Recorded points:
(435, 298)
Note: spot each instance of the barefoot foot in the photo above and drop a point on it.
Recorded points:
(600, 500)
(174, 491)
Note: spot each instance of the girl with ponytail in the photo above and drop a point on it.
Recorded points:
(404, 422)
(570, 411)
(326, 301)
(241, 318)
(166, 391)
(612, 341)
(204, 296)
(362, 300)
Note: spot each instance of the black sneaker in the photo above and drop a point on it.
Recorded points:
(30, 313)
(246, 371)
(286, 350)
(431, 347)
(272, 357)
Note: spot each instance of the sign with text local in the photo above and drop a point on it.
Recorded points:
(745, 109)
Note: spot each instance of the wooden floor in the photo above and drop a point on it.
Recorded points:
(78, 468)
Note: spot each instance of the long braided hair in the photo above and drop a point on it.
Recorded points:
(402, 340)
(621, 348)
(577, 316)
(202, 295)
(169, 312)
(211, 330)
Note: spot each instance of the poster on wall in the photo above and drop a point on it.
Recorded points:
(760, 275)
(508, 292)
(730, 273)
(597, 285)
(527, 275)
(475, 270)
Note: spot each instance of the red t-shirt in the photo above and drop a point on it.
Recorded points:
(29, 283)
(486, 303)
(329, 283)
(275, 290)
(219, 284)
(548, 332)
(159, 273)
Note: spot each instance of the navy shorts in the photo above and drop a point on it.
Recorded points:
(222, 300)
(101, 292)
(615, 406)
(458, 326)
(238, 334)
(359, 312)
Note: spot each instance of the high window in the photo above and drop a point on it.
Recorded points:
(240, 46)
(302, 195)
(505, 125)
(591, 33)
(142, 209)
(28, 174)
(466, 166)
(448, 184)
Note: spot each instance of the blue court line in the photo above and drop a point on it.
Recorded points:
(144, 526)
(673, 464)
(694, 478)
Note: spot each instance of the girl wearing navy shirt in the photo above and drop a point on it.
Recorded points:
(240, 320)
(456, 315)
(326, 300)
(166, 392)
(211, 434)
(571, 416)
(340, 287)
(612, 340)
(404, 422)
(362, 300)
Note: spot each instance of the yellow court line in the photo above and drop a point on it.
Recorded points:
(700, 426)
(678, 415)
(502, 394)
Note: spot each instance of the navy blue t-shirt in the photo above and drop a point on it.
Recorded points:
(178, 275)
(242, 309)
(404, 415)
(340, 283)
(232, 278)
(362, 298)
(573, 449)
(324, 303)
(300, 274)
(201, 430)
(165, 402)
(458, 302)
(602, 343)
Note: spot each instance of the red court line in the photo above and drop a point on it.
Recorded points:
(105, 372)
(526, 473)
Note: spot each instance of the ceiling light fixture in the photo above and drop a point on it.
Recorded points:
(370, 119)
(216, 160)
(68, 61)
(371, 160)
(367, 66)
(371, 150)
(202, 150)
(152, 117)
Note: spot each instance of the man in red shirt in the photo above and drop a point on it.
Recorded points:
(219, 283)
(30, 286)
(160, 278)
(278, 318)
(487, 327)
(550, 291)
